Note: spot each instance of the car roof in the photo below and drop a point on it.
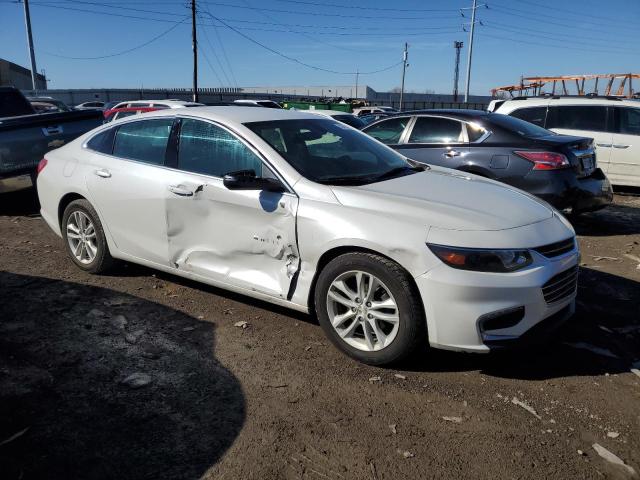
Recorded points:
(461, 113)
(328, 113)
(570, 100)
(235, 114)
(132, 109)
(161, 100)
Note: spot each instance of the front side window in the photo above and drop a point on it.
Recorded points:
(210, 150)
(535, 115)
(388, 131)
(436, 130)
(628, 121)
(144, 141)
(329, 152)
(591, 118)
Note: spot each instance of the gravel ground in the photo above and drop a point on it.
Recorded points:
(142, 375)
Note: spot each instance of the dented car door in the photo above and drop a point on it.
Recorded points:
(243, 238)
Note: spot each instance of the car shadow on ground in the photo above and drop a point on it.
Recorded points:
(602, 337)
(21, 203)
(69, 405)
(616, 219)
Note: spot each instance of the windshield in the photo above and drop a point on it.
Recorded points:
(329, 152)
(349, 119)
(521, 127)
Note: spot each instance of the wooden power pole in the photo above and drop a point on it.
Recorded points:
(194, 39)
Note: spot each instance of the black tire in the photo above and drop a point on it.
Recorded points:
(412, 323)
(103, 260)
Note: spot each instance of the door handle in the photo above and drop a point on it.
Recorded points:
(605, 145)
(102, 172)
(621, 146)
(451, 153)
(180, 191)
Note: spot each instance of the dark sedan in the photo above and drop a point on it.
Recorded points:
(560, 169)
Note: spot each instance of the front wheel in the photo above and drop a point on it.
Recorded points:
(369, 308)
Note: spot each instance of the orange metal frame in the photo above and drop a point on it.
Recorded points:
(534, 85)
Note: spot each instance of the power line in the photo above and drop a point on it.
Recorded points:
(123, 52)
(325, 14)
(215, 54)
(292, 59)
(545, 18)
(357, 7)
(551, 35)
(224, 51)
(163, 20)
(533, 42)
(211, 66)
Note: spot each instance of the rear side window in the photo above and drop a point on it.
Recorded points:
(144, 141)
(535, 115)
(208, 149)
(102, 142)
(592, 118)
(436, 130)
(628, 121)
(388, 131)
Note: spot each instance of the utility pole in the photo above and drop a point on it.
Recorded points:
(32, 55)
(456, 71)
(194, 39)
(405, 55)
(473, 24)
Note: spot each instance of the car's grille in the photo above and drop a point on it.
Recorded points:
(561, 286)
(557, 248)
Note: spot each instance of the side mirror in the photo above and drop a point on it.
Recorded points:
(247, 180)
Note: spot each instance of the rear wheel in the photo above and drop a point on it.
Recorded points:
(369, 308)
(84, 237)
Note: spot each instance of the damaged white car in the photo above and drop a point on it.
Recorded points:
(312, 214)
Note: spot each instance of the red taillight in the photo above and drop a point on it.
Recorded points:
(41, 165)
(545, 160)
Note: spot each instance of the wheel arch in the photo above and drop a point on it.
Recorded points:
(64, 203)
(335, 252)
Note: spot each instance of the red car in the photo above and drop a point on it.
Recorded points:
(118, 113)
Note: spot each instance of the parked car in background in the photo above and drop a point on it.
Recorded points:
(361, 111)
(305, 212)
(343, 117)
(258, 103)
(560, 169)
(373, 117)
(48, 104)
(614, 123)
(118, 113)
(26, 135)
(157, 104)
(89, 105)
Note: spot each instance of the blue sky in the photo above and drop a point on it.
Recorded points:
(536, 37)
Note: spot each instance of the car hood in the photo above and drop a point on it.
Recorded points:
(450, 199)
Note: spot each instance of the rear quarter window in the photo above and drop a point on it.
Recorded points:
(102, 142)
(535, 115)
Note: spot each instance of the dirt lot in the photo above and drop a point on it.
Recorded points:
(274, 400)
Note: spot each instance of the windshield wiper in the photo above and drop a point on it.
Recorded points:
(396, 172)
(345, 180)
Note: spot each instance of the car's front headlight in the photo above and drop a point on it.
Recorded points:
(482, 260)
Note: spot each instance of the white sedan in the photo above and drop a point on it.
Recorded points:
(309, 213)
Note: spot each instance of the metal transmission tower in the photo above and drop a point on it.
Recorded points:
(405, 56)
(456, 72)
(32, 56)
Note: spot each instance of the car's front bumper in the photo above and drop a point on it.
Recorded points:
(564, 190)
(457, 302)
